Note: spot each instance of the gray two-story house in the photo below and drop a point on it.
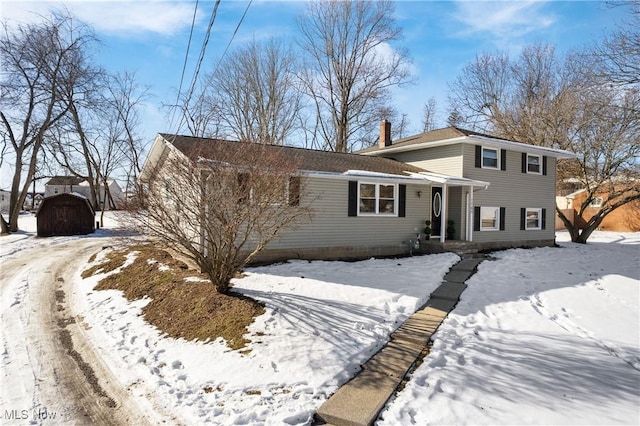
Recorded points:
(517, 208)
(487, 192)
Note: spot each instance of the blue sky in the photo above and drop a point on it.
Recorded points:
(150, 38)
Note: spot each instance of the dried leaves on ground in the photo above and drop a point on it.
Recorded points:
(184, 303)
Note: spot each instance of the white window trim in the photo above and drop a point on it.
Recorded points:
(526, 221)
(539, 172)
(497, 167)
(497, 212)
(596, 202)
(377, 198)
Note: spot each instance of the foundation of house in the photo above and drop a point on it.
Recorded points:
(346, 253)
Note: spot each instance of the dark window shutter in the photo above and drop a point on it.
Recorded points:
(244, 188)
(543, 225)
(503, 212)
(478, 156)
(503, 159)
(476, 218)
(524, 162)
(294, 191)
(523, 218)
(402, 201)
(353, 198)
(544, 165)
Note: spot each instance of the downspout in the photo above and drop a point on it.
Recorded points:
(470, 219)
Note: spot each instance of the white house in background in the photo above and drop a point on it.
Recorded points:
(35, 204)
(67, 184)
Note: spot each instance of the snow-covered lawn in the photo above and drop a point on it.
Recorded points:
(540, 336)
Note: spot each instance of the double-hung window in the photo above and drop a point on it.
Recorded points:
(489, 218)
(533, 164)
(533, 219)
(377, 199)
(490, 158)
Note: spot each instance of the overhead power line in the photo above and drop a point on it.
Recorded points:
(184, 65)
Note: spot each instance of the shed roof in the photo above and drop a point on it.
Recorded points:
(57, 197)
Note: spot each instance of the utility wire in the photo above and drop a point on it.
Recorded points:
(200, 59)
(233, 36)
(184, 65)
(215, 69)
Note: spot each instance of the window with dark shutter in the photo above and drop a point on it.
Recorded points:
(503, 159)
(523, 218)
(353, 198)
(524, 162)
(244, 188)
(478, 156)
(544, 219)
(476, 218)
(544, 165)
(502, 218)
(294, 191)
(402, 200)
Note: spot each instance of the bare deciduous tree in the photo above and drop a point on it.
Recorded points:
(429, 115)
(222, 203)
(538, 100)
(618, 55)
(350, 67)
(42, 62)
(253, 94)
(98, 138)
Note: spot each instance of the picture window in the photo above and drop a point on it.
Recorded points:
(377, 199)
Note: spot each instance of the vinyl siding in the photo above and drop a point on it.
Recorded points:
(513, 190)
(331, 227)
(442, 159)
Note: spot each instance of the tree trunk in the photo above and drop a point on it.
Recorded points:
(4, 226)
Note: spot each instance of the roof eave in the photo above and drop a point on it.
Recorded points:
(474, 140)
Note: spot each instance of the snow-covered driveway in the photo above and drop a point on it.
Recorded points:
(49, 373)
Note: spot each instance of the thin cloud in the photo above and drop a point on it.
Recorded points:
(124, 18)
(502, 19)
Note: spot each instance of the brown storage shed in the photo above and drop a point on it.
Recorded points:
(65, 214)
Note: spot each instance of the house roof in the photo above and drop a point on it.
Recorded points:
(310, 160)
(65, 180)
(453, 135)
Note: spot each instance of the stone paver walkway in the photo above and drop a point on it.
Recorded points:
(358, 402)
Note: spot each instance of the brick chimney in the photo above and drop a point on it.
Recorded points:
(385, 133)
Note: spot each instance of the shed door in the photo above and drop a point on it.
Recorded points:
(63, 219)
(436, 210)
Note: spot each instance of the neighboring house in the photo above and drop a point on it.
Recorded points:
(4, 201)
(65, 214)
(31, 202)
(623, 219)
(496, 192)
(67, 184)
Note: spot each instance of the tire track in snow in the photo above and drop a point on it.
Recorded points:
(47, 364)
